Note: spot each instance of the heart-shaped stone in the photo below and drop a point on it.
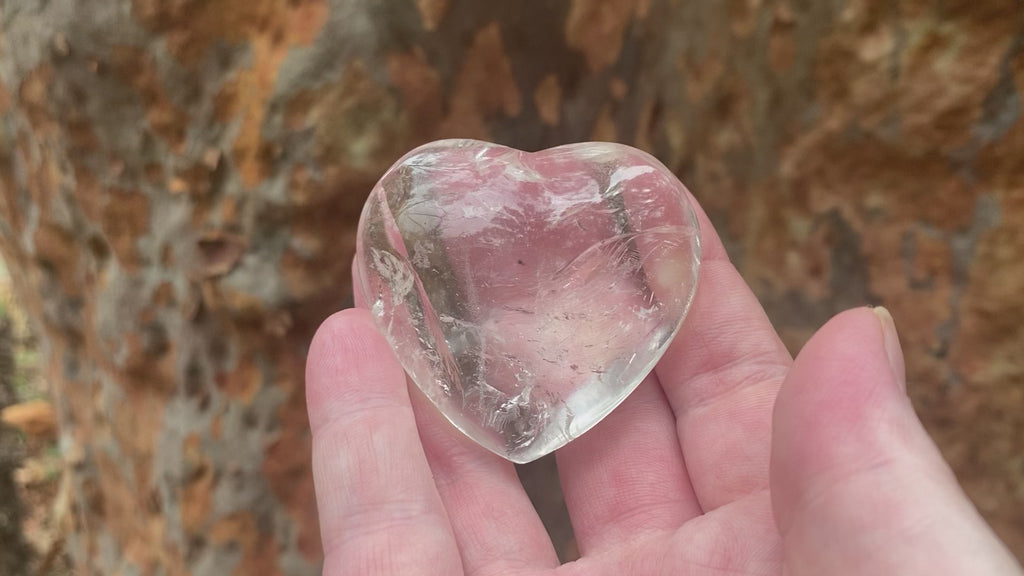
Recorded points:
(527, 294)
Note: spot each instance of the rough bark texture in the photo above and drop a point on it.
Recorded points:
(180, 179)
(15, 553)
(870, 151)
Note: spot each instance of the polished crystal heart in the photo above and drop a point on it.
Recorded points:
(527, 294)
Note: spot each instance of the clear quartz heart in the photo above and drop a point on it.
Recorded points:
(527, 294)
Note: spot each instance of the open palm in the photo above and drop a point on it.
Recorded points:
(730, 458)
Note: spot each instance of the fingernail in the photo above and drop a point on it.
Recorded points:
(893, 351)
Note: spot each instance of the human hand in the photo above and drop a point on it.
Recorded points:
(731, 458)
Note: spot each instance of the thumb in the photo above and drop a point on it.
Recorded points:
(857, 485)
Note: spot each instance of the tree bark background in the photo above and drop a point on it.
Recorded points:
(15, 554)
(180, 182)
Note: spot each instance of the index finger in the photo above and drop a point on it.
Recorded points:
(380, 512)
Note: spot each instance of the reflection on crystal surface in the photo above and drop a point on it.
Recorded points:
(527, 294)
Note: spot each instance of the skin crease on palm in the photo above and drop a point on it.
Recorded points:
(730, 458)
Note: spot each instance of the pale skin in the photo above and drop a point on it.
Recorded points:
(731, 458)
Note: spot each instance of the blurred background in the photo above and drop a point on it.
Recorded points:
(180, 182)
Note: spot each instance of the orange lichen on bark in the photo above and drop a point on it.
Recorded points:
(259, 551)
(138, 69)
(137, 425)
(992, 330)
(285, 466)
(605, 129)
(648, 127)
(243, 381)
(89, 195)
(420, 87)
(548, 100)
(196, 180)
(597, 27)
(701, 74)
(358, 129)
(485, 86)
(947, 70)
(163, 295)
(10, 203)
(196, 494)
(217, 253)
(986, 355)
(853, 74)
(357, 123)
(121, 506)
(879, 198)
(193, 26)
(33, 100)
(125, 218)
(273, 28)
(743, 15)
(56, 249)
(302, 273)
(5, 99)
(312, 267)
(432, 12)
(148, 359)
(42, 168)
(617, 88)
(782, 39)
